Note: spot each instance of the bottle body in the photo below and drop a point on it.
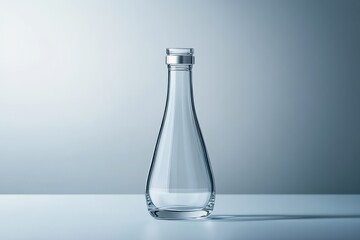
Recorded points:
(180, 183)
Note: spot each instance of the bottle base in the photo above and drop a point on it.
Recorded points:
(179, 214)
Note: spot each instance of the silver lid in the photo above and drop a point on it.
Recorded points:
(180, 56)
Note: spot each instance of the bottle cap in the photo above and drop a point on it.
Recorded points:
(179, 56)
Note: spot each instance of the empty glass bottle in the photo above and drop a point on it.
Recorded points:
(180, 184)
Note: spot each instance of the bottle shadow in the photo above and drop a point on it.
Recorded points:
(272, 217)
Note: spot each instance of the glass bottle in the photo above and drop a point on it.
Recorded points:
(180, 183)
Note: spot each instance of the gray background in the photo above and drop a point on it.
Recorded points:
(83, 88)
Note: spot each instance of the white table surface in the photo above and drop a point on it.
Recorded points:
(125, 217)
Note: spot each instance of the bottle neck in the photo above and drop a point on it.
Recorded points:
(180, 94)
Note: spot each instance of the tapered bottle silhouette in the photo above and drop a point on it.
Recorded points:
(180, 183)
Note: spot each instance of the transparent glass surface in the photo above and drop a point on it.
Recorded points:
(180, 183)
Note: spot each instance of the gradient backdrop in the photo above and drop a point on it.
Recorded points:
(83, 89)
